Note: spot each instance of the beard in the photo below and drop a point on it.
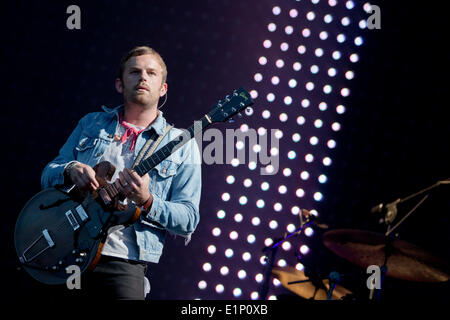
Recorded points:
(146, 99)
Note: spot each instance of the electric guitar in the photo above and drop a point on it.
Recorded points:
(58, 229)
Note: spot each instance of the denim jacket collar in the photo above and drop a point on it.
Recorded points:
(158, 125)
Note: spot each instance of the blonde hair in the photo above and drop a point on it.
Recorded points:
(140, 51)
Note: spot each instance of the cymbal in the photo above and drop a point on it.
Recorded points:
(306, 290)
(406, 261)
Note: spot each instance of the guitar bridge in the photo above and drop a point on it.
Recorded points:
(42, 243)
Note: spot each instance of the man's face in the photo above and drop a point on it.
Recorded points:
(142, 81)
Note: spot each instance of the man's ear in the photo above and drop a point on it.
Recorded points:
(163, 90)
(119, 85)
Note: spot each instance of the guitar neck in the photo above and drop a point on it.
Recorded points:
(163, 153)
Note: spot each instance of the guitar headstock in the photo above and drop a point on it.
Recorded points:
(230, 106)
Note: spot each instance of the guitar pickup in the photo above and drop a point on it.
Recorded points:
(72, 220)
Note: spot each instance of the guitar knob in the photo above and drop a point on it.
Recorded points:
(231, 120)
(78, 260)
(239, 115)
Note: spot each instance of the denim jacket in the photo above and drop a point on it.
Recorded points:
(175, 183)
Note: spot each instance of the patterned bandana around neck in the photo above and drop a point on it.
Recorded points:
(129, 132)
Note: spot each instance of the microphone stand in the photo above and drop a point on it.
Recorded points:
(391, 214)
(272, 250)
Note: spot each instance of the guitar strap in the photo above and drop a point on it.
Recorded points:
(145, 152)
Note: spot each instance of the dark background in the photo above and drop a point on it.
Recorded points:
(395, 133)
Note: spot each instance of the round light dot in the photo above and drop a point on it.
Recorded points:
(202, 285)
(220, 288)
(252, 165)
(278, 134)
(349, 75)
(224, 270)
(256, 148)
(289, 30)
(293, 13)
(301, 49)
(290, 228)
(207, 267)
(345, 92)
(323, 106)
(247, 182)
(272, 27)
(276, 10)
(291, 154)
(332, 72)
(336, 55)
(309, 86)
(322, 178)
(281, 263)
(331, 144)
(310, 16)
(304, 249)
(318, 196)
(278, 206)
(221, 214)
(309, 158)
(279, 63)
(287, 101)
(265, 186)
(273, 224)
(359, 41)
(234, 235)
(318, 52)
(328, 18)
(326, 161)
(259, 277)
(240, 145)
(258, 77)
(305, 103)
(251, 238)
(268, 242)
(234, 162)
(275, 80)
(266, 114)
(282, 189)
(336, 126)
(283, 117)
(304, 175)
(287, 245)
(350, 5)
(237, 292)
(313, 140)
(212, 249)
(345, 21)
(254, 295)
(300, 193)
(262, 60)
(297, 66)
(226, 196)
(323, 35)
(295, 210)
(292, 84)
(327, 89)
(318, 123)
(242, 274)
(314, 69)
(229, 253)
(267, 44)
(246, 256)
(362, 24)
(230, 179)
(296, 137)
(309, 232)
(216, 231)
(260, 203)
(243, 200)
(340, 109)
(299, 266)
(269, 169)
(306, 32)
(256, 221)
(284, 46)
(354, 57)
(270, 97)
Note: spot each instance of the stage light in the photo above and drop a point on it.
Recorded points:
(212, 249)
(327, 89)
(233, 235)
(277, 207)
(291, 154)
(323, 35)
(292, 84)
(269, 169)
(254, 295)
(278, 134)
(224, 270)
(276, 10)
(287, 101)
(202, 285)
(290, 228)
(362, 24)
(268, 242)
(306, 32)
(207, 267)
(282, 189)
(242, 274)
(259, 277)
(336, 126)
(336, 55)
(256, 221)
(301, 49)
(305, 104)
(252, 165)
(265, 186)
(275, 80)
(229, 253)
(272, 297)
(230, 179)
(354, 57)
(279, 63)
(300, 193)
(220, 288)
(262, 60)
(318, 52)
(272, 27)
(304, 249)
(273, 224)
(239, 145)
(297, 66)
(258, 77)
(304, 175)
(254, 94)
(263, 260)
(293, 13)
(283, 117)
(295, 210)
(349, 75)
(345, 92)
(288, 30)
(237, 292)
(246, 256)
(309, 86)
(328, 18)
(238, 217)
(318, 196)
(216, 231)
(323, 106)
(267, 43)
(345, 21)
(322, 178)
(287, 245)
(251, 238)
(226, 196)
(296, 137)
(260, 203)
(262, 131)
(309, 158)
(350, 5)
(299, 267)
(314, 69)
(266, 114)
(284, 46)
(309, 232)
(270, 97)
(318, 123)
(249, 111)
(359, 41)
(332, 72)
(243, 200)
(221, 214)
(282, 263)
(256, 148)
(332, 3)
(326, 161)
(331, 144)
(340, 109)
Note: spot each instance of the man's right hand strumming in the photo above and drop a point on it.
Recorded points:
(83, 176)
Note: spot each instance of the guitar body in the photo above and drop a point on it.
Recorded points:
(56, 229)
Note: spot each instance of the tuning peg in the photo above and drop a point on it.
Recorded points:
(231, 120)
(239, 115)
